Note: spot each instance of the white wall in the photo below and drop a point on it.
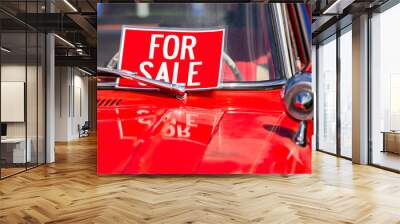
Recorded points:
(71, 94)
(33, 126)
(13, 101)
(13, 72)
(62, 83)
(80, 110)
(16, 73)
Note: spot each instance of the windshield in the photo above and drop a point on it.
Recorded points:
(249, 36)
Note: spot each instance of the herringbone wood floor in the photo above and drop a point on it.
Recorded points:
(69, 191)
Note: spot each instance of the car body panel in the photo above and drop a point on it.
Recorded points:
(211, 132)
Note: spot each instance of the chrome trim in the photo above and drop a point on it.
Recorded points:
(299, 83)
(300, 137)
(283, 43)
(224, 86)
(180, 91)
(106, 84)
(291, 63)
(288, 48)
(253, 85)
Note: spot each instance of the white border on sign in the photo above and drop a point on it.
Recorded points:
(198, 30)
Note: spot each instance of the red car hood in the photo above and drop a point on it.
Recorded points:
(215, 132)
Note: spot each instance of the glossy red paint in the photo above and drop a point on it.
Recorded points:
(211, 132)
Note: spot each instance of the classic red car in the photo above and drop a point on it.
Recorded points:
(259, 121)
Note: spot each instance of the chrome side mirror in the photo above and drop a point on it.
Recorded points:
(299, 98)
(299, 103)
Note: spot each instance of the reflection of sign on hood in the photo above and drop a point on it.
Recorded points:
(186, 57)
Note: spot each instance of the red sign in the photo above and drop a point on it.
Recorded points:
(191, 58)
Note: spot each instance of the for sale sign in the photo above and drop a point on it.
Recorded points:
(191, 58)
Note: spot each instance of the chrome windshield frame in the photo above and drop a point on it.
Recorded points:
(256, 85)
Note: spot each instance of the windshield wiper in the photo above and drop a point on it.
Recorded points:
(178, 90)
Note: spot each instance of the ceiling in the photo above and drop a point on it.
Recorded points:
(330, 15)
(74, 22)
